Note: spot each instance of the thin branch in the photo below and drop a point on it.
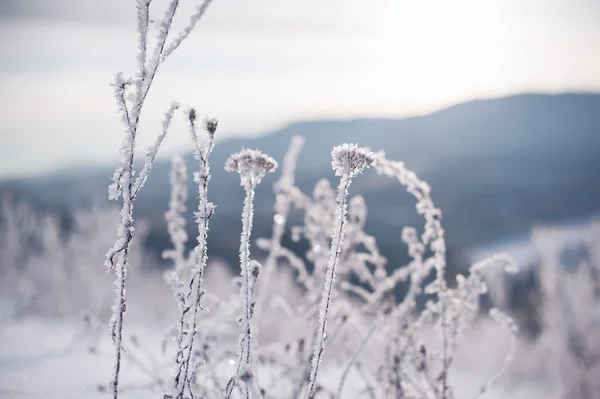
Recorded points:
(152, 150)
(183, 34)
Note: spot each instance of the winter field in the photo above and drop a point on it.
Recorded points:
(51, 359)
(56, 305)
(310, 310)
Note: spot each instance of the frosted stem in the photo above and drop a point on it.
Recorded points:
(246, 337)
(200, 10)
(251, 165)
(152, 150)
(118, 255)
(193, 306)
(348, 160)
(125, 234)
(336, 245)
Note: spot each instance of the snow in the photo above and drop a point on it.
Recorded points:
(47, 359)
(44, 358)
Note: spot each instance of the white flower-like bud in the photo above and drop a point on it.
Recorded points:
(252, 165)
(351, 160)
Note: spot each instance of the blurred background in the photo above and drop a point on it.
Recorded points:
(492, 102)
(495, 103)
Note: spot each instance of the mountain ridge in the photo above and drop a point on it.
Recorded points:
(496, 166)
(304, 124)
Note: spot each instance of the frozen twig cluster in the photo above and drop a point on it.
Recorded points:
(130, 94)
(190, 299)
(48, 269)
(567, 350)
(364, 276)
(349, 294)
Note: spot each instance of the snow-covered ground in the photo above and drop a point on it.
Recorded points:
(48, 359)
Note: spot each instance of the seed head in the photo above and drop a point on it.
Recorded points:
(211, 126)
(252, 165)
(350, 159)
(192, 115)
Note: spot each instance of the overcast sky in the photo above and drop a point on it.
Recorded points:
(261, 64)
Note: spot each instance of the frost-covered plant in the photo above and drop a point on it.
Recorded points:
(417, 371)
(131, 95)
(175, 216)
(567, 351)
(361, 303)
(349, 160)
(364, 301)
(355, 311)
(24, 239)
(190, 299)
(252, 166)
(181, 263)
(48, 269)
(209, 345)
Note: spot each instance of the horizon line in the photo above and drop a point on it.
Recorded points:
(33, 175)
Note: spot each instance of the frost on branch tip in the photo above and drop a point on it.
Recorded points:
(192, 115)
(252, 165)
(211, 126)
(115, 189)
(351, 160)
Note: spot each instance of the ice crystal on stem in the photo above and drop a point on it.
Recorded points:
(252, 165)
(190, 304)
(348, 160)
(130, 95)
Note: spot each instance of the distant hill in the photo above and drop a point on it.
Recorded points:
(495, 166)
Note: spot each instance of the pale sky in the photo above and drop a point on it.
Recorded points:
(261, 64)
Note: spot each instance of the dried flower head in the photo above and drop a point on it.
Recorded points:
(211, 125)
(350, 159)
(192, 115)
(252, 165)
